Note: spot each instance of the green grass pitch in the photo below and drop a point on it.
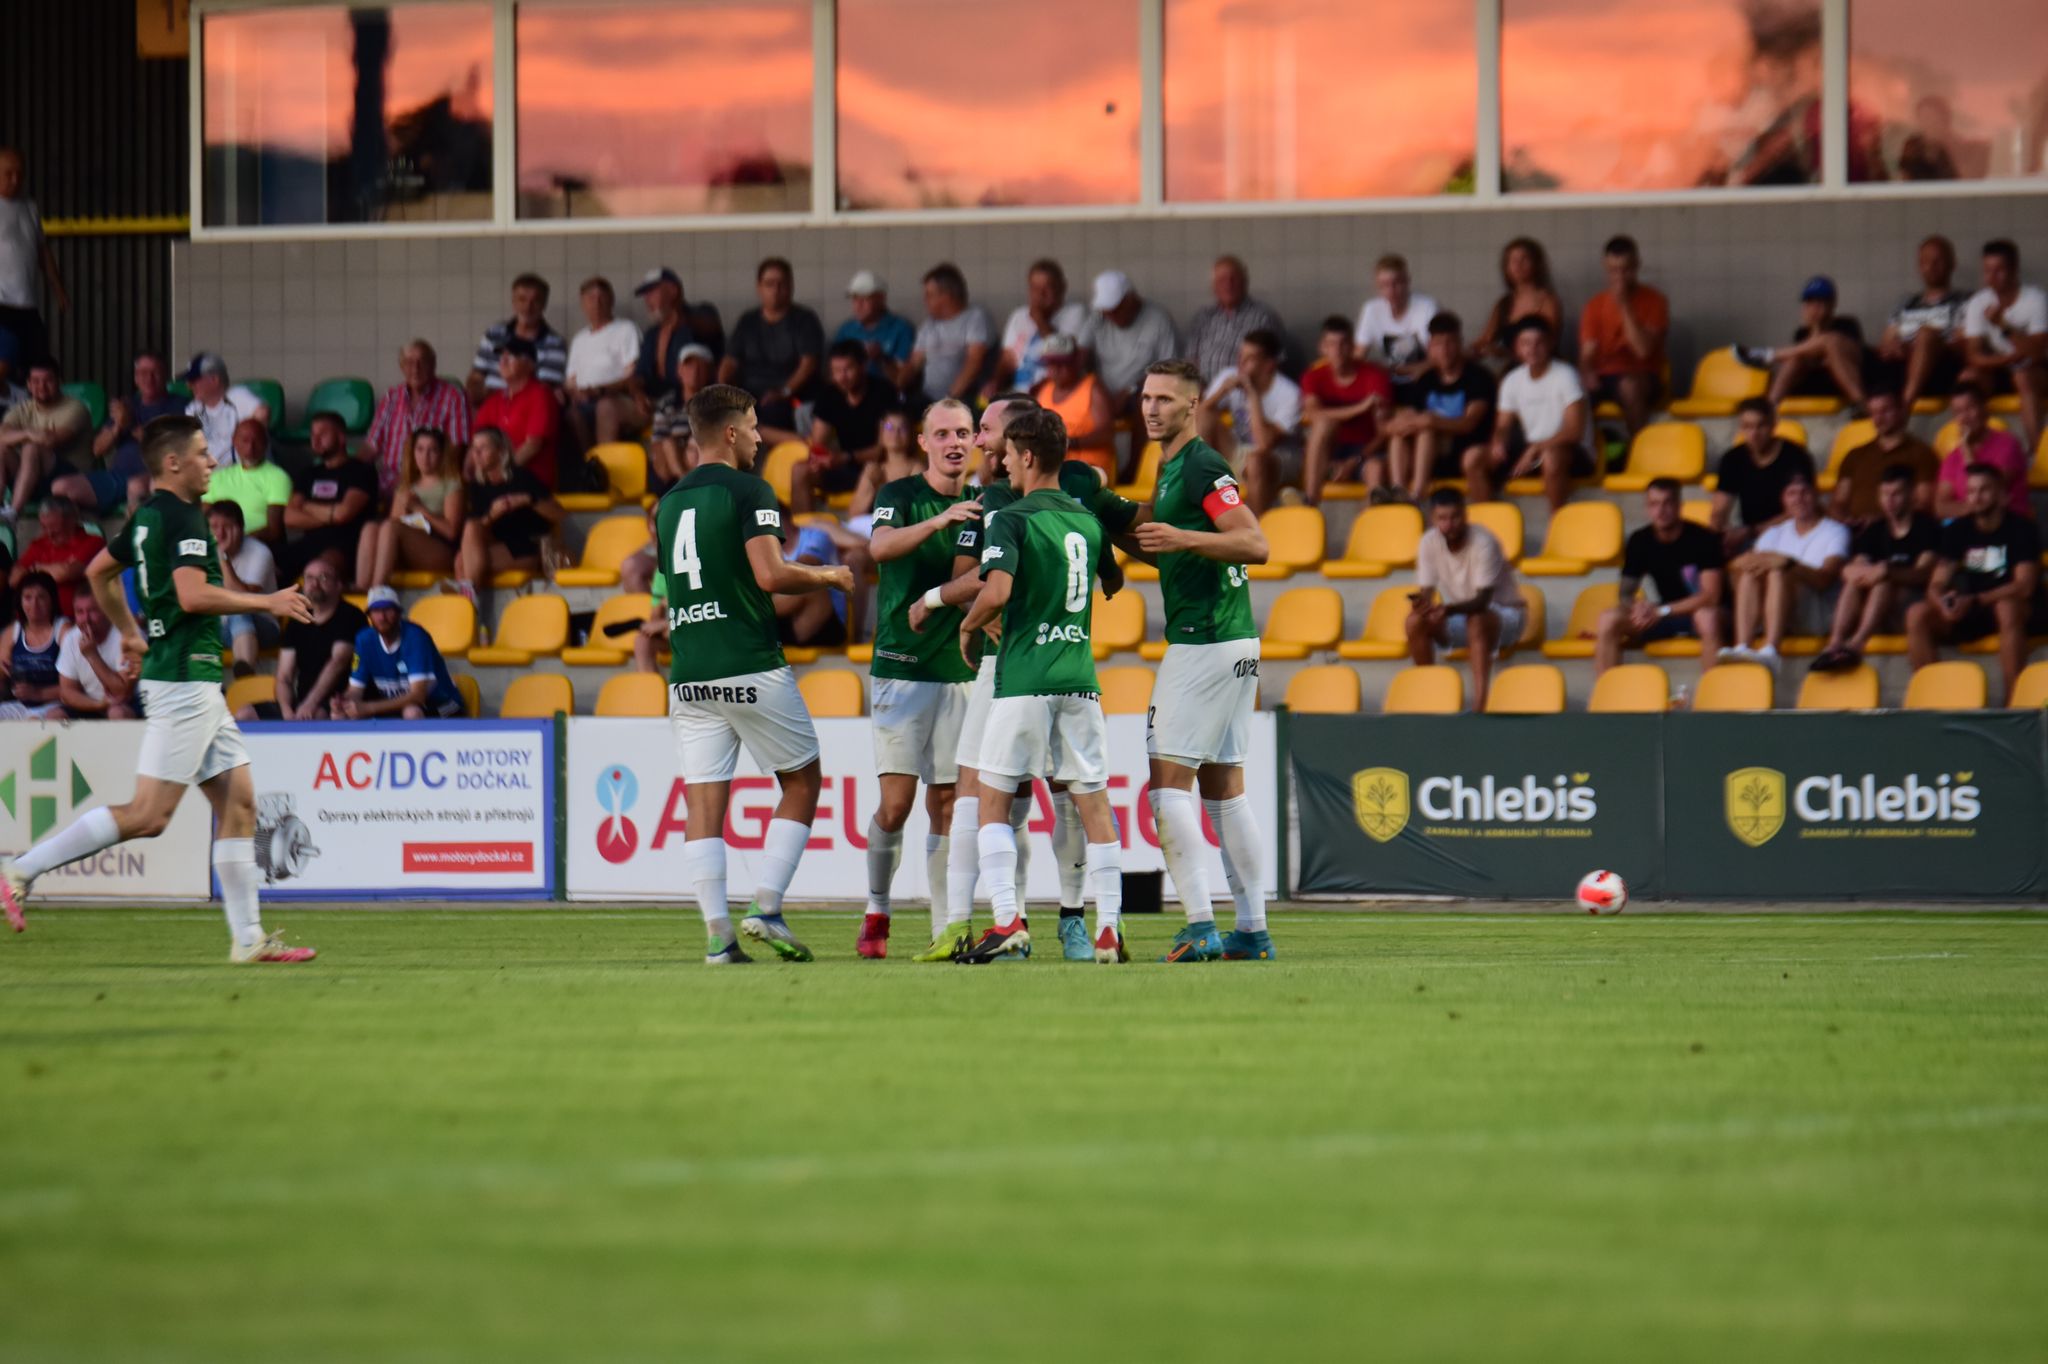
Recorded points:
(555, 1136)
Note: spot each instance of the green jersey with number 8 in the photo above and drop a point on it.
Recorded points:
(1047, 542)
(167, 534)
(1207, 602)
(720, 622)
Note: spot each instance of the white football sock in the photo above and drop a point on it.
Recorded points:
(938, 850)
(1069, 845)
(885, 851)
(998, 846)
(234, 862)
(1022, 806)
(1105, 884)
(780, 851)
(962, 859)
(704, 869)
(1180, 838)
(1243, 859)
(93, 831)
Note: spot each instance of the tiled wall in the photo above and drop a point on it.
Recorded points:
(302, 311)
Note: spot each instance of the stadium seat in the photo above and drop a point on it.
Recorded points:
(1950, 435)
(634, 695)
(1142, 486)
(94, 396)
(271, 393)
(610, 651)
(1952, 685)
(1303, 620)
(1119, 623)
(1852, 690)
(1125, 691)
(863, 654)
(1719, 382)
(611, 542)
(414, 580)
(1734, 687)
(1862, 431)
(472, 698)
(1296, 539)
(1814, 405)
(538, 696)
(778, 466)
(1386, 628)
(1327, 689)
(625, 467)
(1792, 429)
(1433, 690)
(1526, 689)
(2030, 692)
(1631, 688)
(531, 626)
(833, 692)
(1662, 450)
(251, 691)
(2037, 472)
(1504, 519)
(1699, 511)
(353, 400)
(1382, 539)
(1582, 536)
(450, 619)
(1578, 641)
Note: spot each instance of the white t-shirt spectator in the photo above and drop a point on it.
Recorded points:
(1121, 353)
(21, 252)
(1540, 404)
(2028, 315)
(219, 423)
(256, 566)
(1827, 540)
(1390, 340)
(1459, 576)
(1281, 402)
(71, 661)
(1021, 339)
(605, 356)
(945, 347)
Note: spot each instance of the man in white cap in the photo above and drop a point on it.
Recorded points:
(1126, 334)
(219, 408)
(885, 338)
(674, 324)
(670, 429)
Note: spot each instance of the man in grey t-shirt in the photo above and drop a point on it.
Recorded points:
(23, 254)
(1126, 334)
(953, 346)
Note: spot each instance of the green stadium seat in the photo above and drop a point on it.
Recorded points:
(94, 396)
(272, 394)
(351, 399)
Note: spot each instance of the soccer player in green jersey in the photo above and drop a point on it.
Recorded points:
(1038, 579)
(1199, 725)
(189, 739)
(920, 687)
(718, 549)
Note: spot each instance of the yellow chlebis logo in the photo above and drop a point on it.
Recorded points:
(1755, 801)
(1379, 798)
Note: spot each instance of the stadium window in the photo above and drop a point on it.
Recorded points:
(326, 114)
(1318, 99)
(1955, 91)
(1059, 125)
(659, 110)
(1597, 97)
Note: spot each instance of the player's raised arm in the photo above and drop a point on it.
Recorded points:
(1237, 538)
(773, 574)
(893, 542)
(103, 574)
(198, 597)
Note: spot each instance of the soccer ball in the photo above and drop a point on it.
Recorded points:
(1602, 892)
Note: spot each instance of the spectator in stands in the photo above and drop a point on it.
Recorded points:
(1790, 577)
(817, 619)
(421, 399)
(1544, 419)
(1466, 596)
(1683, 560)
(257, 483)
(1082, 402)
(1526, 293)
(1857, 495)
(1345, 402)
(2005, 326)
(846, 426)
(219, 406)
(1825, 359)
(47, 438)
(29, 650)
(1263, 440)
(1217, 331)
(1446, 414)
(670, 453)
(510, 514)
(525, 410)
(1045, 313)
(399, 672)
(528, 323)
(675, 324)
(1987, 579)
(775, 351)
(1921, 350)
(1751, 477)
(246, 565)
(1890, 561)
(1393, 326)
(1621, 337)
(25, 253)
(1979, 442)
(423, 532)
(1125, 334)
(331, 499)
(899, 458)
(597, 379)
(91, 681)
(885, 339)
(121, 479)
(314, 656)
(60, 553)
(637, 570)
(10, 369)
(952, 349)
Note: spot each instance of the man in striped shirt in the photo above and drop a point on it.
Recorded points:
(423, 400)
(529, 319)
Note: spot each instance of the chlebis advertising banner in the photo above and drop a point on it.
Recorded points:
(52, 771)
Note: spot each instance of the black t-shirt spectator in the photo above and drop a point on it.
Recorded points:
(1985, 559)
(1878, 544)
(1675, 567)
(1759, 490)
(1452, 398)
(312, 643)
(768, 352)
(701, 326)
(858, 425)
(326, 487)
(520, 531)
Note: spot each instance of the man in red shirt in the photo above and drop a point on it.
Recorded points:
(527, 411)
(1621, 337)
(62, 551)
(1342, 398)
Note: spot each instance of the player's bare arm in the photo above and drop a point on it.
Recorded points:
(198, 597)
(987, 610)
(764, 555)
(894, 542)
(1237, 538)
(104, 575)
(962, 588)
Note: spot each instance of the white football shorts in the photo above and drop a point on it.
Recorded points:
(764, 711)
(916, 727)
(1202, 703)
(189, 737)
(1060, 738)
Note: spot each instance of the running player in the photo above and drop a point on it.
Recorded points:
(919, 693)
(189, 739)
(1038, 568)
(1199, 725)
(719, 550)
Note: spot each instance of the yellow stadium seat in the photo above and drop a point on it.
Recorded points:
(1860, 432)
(1810, 406)
(1504, 519)
(1951, 435)
(359, 600)
(1141, 487)
(450, 620)
(1296, 538)
(531, 627)
(610, 651)
(2037, 472)
(1699, 511)
(1433, 690)
(1582, 536)
(1303, 620)
(251, 691)
(778, 466)
(1382, 539)
(2031, 691)
(537, 696)
(1719, 382)
(1386, 628)
(1125, 691)
(1327, 689)
(2008, 403)
(832, 692)
(863, 654)
(625, 466)
(1734, 687)
(640, 695)
(1526, 689)
(1662, 450)
(1953, 685)
(612, 541)
(1578, 639)
(472, 698)
(1119, 623)
(1631, 688)
(1852, 690)
(414, 580)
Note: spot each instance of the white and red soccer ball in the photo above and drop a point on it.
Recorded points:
(1602, 892)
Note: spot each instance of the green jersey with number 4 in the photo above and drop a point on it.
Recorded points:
(167, 534)
(1047, 542)
(720, 622)
(933, 653)
(1207, 602)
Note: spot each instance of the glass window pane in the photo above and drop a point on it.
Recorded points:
(333, 115)
(1955, 91)
(1318, 99)
(1605, 95)
(1058, 126)
(652, 109)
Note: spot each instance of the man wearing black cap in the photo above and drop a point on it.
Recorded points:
(675, 324)
(528, 322)
(524, 410)
(219, 408)
(1825, 359)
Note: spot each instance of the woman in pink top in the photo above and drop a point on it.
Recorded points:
(1980, 443)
